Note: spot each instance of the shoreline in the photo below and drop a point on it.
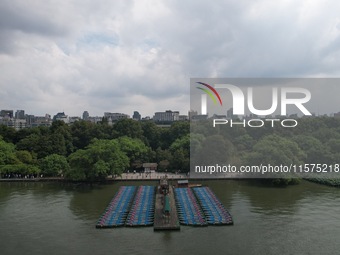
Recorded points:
(136, 177)
(131, 177)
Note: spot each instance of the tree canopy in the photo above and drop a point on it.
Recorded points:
(88, 151)
(98, 160)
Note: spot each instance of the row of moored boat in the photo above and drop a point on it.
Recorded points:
(214, 210)
(189, 211)
(142, 210)
(118, 209)
(132, 206)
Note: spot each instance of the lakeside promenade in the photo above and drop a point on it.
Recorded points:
(151, 176)
(123, 177)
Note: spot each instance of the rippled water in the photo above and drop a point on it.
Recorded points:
(52, 218)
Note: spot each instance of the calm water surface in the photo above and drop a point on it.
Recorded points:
(51, 218)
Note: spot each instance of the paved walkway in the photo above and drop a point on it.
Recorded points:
(150, 176)
(162, 222)
(125, 176)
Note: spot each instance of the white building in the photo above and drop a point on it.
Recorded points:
(63, 118)
(17, 124)
(167, 116)
(74, 119)
(114, 116)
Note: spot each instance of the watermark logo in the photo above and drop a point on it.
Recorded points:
(279, 99)
(239, 99)
(209, 92)
(259, 127)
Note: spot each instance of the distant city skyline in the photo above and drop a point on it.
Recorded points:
(23, 112)
(20, 119)
(136, 114)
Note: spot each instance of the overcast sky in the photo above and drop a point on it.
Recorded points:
(122, 55)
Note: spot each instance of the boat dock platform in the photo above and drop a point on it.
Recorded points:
(164, 208)
(165, 211)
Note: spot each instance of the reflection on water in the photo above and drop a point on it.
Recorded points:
(57, 218)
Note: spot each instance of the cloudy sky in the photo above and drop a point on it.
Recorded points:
(122, 55)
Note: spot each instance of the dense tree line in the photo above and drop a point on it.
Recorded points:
(313, 141)
(88, 151)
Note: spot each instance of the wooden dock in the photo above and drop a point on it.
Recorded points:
(162, 222)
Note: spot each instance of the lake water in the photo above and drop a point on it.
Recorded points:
(54, 218)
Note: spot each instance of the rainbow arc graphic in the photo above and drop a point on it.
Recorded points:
(212, 93)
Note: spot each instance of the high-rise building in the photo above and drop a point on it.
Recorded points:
(30, 119)
(6, 113)
(136, 115)
(86, 115)
(20, 114)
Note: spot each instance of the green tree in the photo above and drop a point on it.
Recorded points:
(134, 149)
(151, 134)
(39, 144)
(54, 165)
(60, 135)
(57, 144)
(25, 157)
(309, 125)
(215, 149)
(128, 127)
(276, 151)
(163, 159)
(98, 160)
(80, 166)
(7, 153)
(196, 141)
(181, 143)
(15, 162)
(316, 152)
(180, 160)
(244, 142)
(8, 134)
(334, 145)
(179, 129)
(325, 134)
(82, 133)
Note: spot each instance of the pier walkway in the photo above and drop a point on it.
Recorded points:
(162, 221)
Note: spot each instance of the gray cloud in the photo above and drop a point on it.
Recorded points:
(139, 55)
